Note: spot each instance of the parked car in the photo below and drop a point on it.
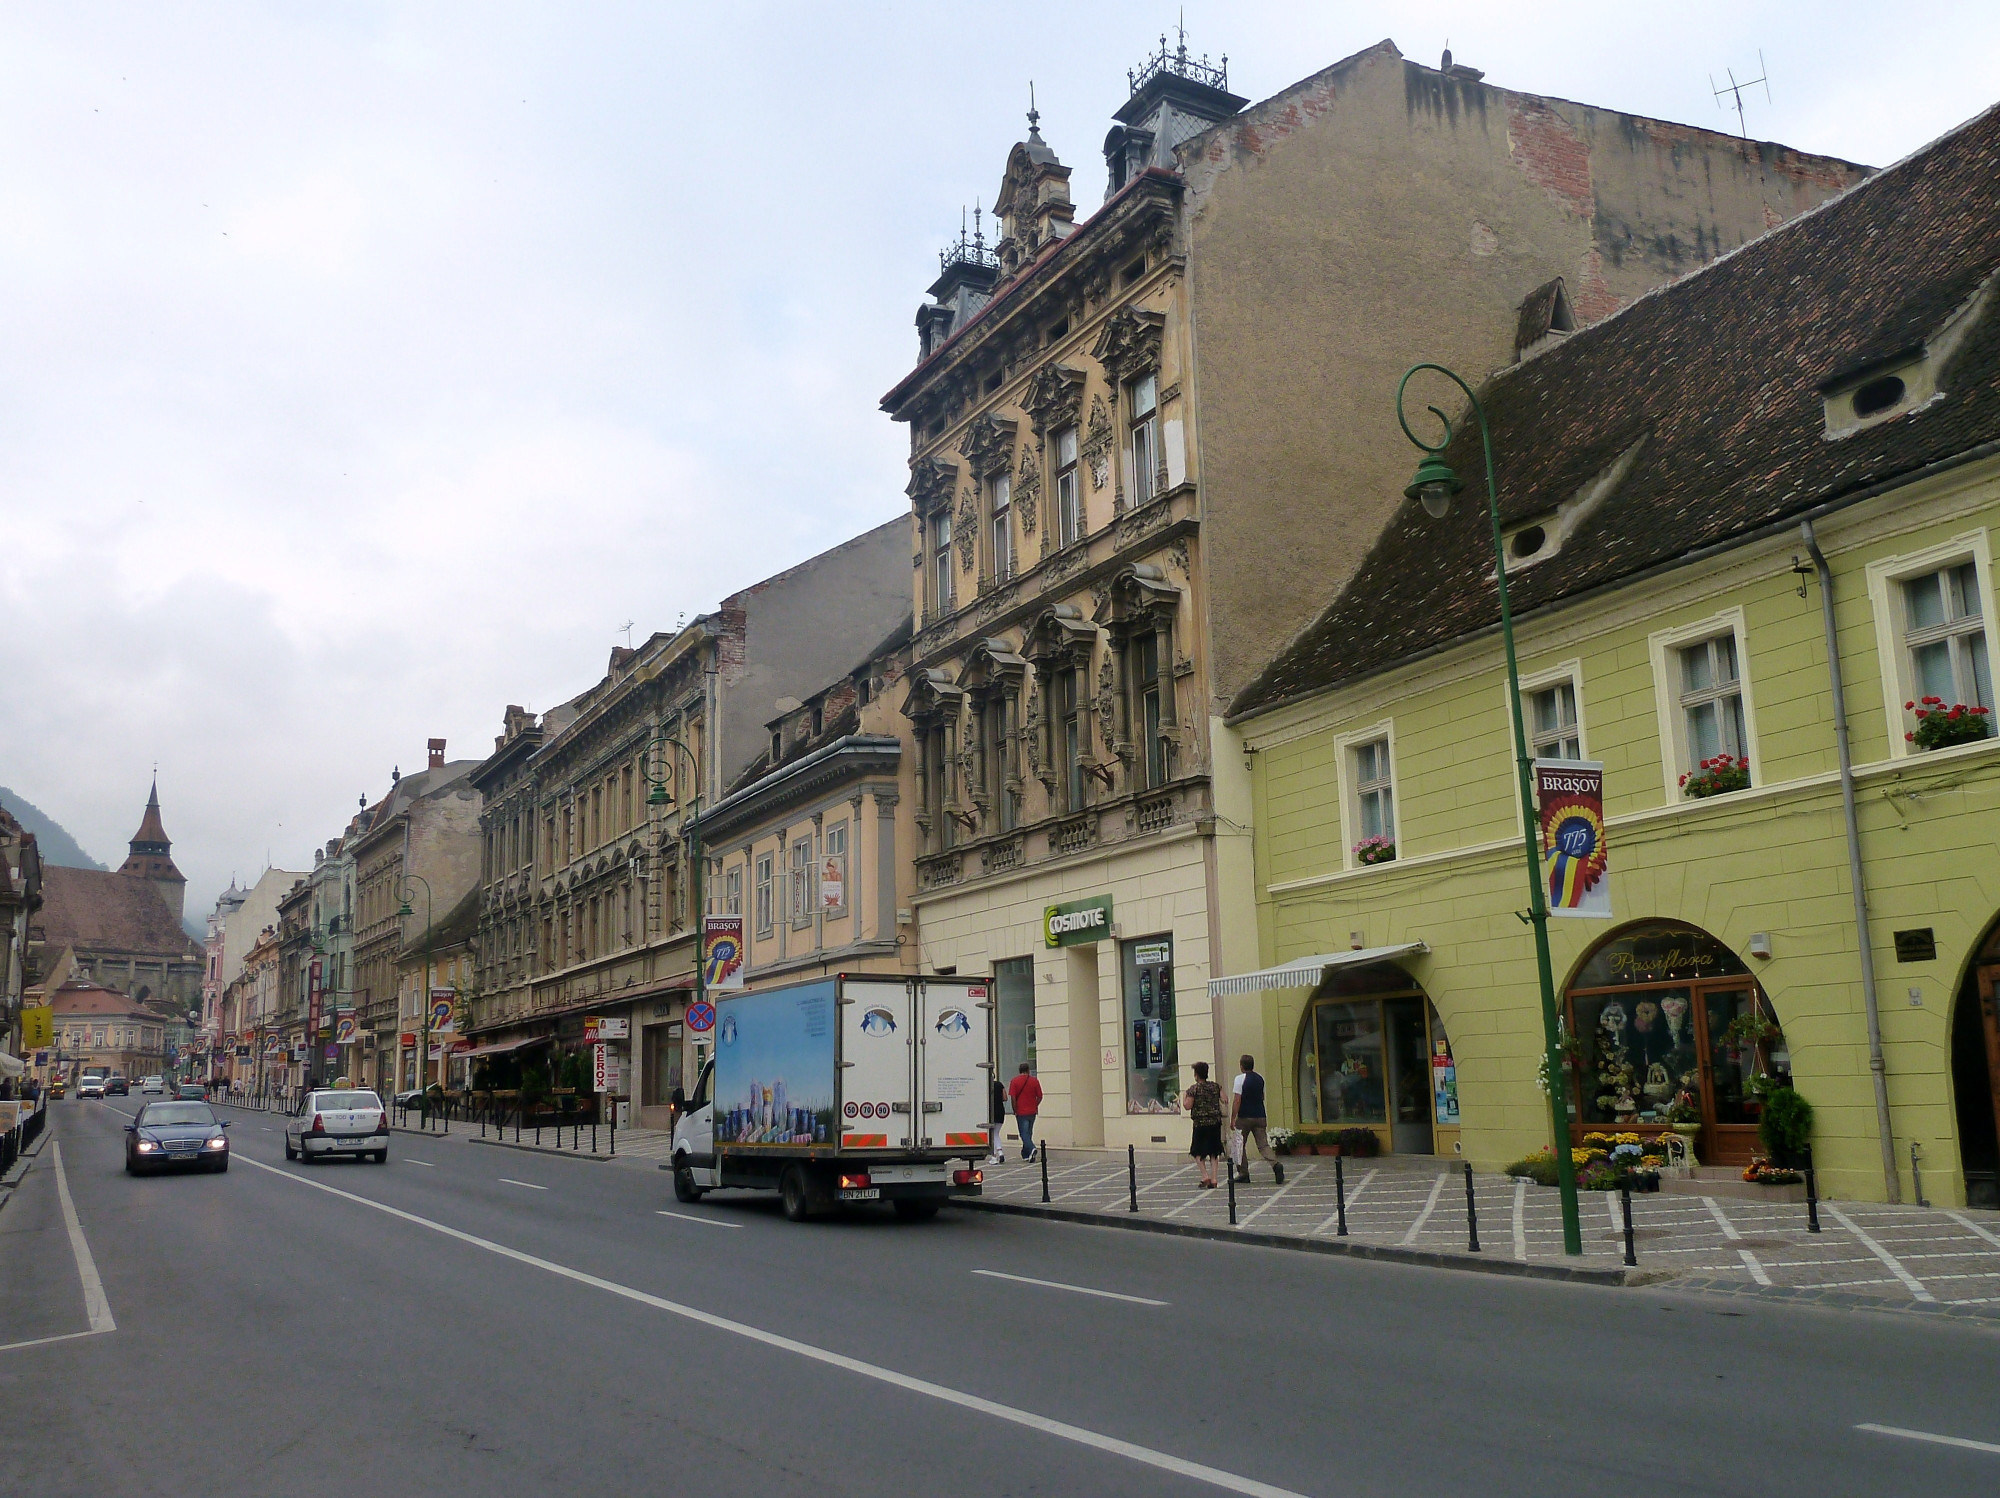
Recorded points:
(347, 1121)
(152, 1087)
(163, 1135)
(90, 1087)
(191, 1092)
(116, 1086)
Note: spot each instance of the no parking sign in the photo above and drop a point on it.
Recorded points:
(701, 1016)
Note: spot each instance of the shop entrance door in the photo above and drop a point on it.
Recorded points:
(1975, 1075)
(1731, 1125)
(1409, 1078)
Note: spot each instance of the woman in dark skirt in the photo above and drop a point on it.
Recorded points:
(1203, 1102)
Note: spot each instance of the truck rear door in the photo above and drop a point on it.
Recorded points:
(878, 1035)
(954, 1063)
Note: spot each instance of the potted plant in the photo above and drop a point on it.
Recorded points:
(1786, 1125)
(1941, 725)
(1716, 777)
(1281, 1141)
(1375, 849)
(1762, 1172)
(1358, 1144)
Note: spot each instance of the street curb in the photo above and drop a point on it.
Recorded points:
(537, 1149)
(1574, 1274)
(1841, 1300)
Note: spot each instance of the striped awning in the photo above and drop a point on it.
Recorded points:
(1308, 972)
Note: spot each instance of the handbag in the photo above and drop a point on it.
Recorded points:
(1236, 1146)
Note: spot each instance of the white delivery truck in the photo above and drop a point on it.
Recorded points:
(852, 1088)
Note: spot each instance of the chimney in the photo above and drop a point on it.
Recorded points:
(437, 754)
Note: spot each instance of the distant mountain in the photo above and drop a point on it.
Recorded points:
(196, 930)
(56, 845)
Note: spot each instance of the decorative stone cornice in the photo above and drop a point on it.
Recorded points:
(1129, 343)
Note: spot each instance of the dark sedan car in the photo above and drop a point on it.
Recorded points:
(116, 1086)
(191, 1092)
(167, 1134)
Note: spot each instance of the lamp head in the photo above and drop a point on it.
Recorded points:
(1434, 484)
(658, 796)
(405, 910)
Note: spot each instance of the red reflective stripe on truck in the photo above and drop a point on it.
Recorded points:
(977, 1140)
(865, 1141)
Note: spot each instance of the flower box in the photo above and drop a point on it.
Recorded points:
(1942, 725)
(1716, 777)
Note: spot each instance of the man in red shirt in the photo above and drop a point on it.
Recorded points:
(1025, 1094)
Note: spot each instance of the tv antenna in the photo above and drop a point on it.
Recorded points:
(626, 627)
(1735, 89)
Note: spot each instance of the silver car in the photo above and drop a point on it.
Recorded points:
(339, 1121)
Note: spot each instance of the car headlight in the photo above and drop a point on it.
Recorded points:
(146, 1146)
(218, 1143)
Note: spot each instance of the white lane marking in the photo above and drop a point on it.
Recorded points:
(510, 1181)
(1271, 1201)
(1972, 1227)
(707, 1222)
(1520, 1223)
(1131, 1451)
(266, 1128)
(1750, 1263)
(95, 1306)
(1430, 1206)
(1352, 1196)
(1728, 1228)
(1910, 1282)
(427, 1165)
(1022, 1279)
(1936, 1440)
(44, 1341)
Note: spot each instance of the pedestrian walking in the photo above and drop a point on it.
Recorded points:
(1203, 1105)
(1025, 1093)
(1246, 1117)
(997, 1153)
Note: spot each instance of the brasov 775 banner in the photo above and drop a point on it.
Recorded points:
(1570, 793)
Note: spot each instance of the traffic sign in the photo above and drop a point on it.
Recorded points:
(701, 1016)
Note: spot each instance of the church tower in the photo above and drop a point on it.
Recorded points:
(152, 856)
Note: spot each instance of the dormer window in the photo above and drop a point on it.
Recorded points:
(1878, 395)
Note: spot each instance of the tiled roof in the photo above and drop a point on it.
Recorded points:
(74, 999)
(109, 912)
(1710, 390)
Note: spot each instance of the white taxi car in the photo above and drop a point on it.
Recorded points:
(343, 1121)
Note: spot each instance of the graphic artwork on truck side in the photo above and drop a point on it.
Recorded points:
(953, 1022)
(878, 1022)
(775, 1060)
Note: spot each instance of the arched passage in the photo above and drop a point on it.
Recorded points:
(1975, 1074)
(1372, 1053)
(1670, 1027)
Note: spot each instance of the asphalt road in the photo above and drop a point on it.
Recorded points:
(513, 1322)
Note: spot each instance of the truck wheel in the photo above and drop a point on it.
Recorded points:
(794, 1192)
(916, 1209)
(685, 1189)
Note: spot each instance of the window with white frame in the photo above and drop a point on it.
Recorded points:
(1944, 630)
(1000, 510)
(1711, 701)
(1143, 444)
(732, 891)
(1069, 496)
(941, 563)
(1553, 732)
(801, 886)
(1374, 802)
(765, 913)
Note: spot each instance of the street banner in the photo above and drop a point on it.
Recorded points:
(344, 1028)
(833, 882)
(1575, 862)
(600, 1068)
(722, 951)
(598, 1027)
(38, 1026)
(443, 1021)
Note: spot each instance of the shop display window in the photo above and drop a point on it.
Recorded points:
(1014, 993)
(1151, 1036)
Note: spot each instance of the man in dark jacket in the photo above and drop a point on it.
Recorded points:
(1246, 1112)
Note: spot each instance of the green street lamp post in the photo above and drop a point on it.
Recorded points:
(657, 794)
(424, 1000)
(1434, 485)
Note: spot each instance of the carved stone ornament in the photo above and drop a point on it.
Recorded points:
(965, 528)
(1031, 735)
(1178, 555)
(1097, 444)
(1028, 485)
(1054, 398)
(1129, 345)
(988, 444)
(1142, 522)
(931, 483)
(1107, 701)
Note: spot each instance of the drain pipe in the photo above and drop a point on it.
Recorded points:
(1877, 1068)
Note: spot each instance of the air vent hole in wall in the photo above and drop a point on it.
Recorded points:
(1878, 395)
(1528, 541)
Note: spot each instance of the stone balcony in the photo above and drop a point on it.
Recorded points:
(1128, 818)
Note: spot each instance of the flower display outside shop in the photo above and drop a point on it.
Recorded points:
(1941, 725)
(1604, 1162)
(1763, 1173)
(1717, 777)
(1375, 849)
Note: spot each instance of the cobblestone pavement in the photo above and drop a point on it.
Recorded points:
(1896, 1255)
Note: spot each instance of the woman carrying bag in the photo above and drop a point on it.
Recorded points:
(1203, 1104)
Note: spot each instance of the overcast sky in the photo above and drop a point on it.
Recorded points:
(365, 368)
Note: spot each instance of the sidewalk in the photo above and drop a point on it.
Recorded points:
(1903, 1257)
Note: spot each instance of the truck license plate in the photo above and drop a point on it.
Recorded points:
(862, 1194)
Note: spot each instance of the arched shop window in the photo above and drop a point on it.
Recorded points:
(1670, 1027)
(1372, 1053)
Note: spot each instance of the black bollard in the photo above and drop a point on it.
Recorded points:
(1471, 1214)
(1132, 1173)
(1625, 1206)
(593, 1136)
(1812, 1194)
(614, 1130)
(1042, 1155)
(1340, 1194)
(1232, 1189)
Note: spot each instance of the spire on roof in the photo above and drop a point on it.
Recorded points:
(151, 838)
